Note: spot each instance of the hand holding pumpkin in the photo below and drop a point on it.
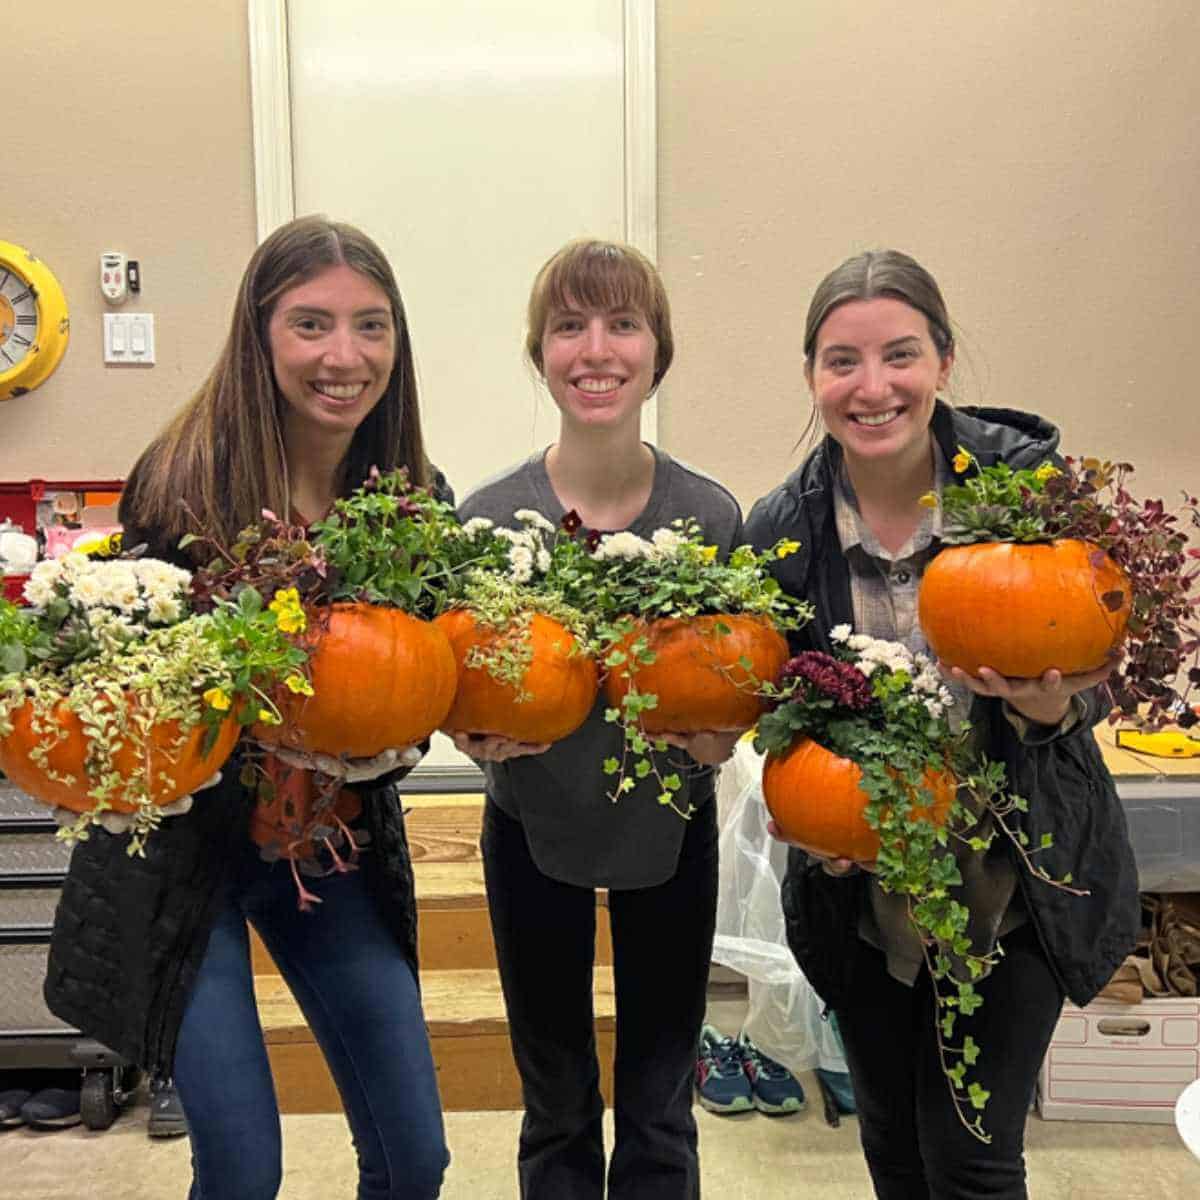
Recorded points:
(117, 823)
(350, 770)
(1045, 701)
(494, 747)
(831, 866)
(709, 747)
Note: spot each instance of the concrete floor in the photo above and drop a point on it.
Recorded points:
(745, 1156)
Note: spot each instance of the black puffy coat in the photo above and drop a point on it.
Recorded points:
(130, 933)
(1070, 792)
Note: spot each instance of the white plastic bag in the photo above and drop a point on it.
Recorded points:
(784, 1018)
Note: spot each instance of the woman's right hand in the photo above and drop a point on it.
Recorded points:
(491, 747)
(837, 867)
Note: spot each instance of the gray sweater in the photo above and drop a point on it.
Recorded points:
(577, 834)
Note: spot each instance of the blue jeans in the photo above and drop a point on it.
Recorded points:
(360, 998)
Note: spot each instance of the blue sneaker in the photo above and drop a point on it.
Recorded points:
(721, 1083)
(775, 1090)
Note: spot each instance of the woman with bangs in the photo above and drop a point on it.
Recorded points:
(599, 336)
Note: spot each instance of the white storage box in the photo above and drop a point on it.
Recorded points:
(1121, 1062)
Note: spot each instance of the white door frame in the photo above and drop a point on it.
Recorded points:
(272, 116)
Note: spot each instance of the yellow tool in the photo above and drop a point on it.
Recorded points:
(1165, 744)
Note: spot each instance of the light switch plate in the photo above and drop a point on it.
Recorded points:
(129, 338)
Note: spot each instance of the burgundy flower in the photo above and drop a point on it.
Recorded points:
(592, 540)
(572, 521)
(830, 677)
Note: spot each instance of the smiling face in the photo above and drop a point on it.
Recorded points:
(874, 376)
(333, 346)
(598, 364)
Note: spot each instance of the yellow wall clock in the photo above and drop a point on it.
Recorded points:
(34, 326)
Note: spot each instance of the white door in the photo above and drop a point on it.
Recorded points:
(470, 138)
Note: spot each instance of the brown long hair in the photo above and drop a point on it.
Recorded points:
(222, 455)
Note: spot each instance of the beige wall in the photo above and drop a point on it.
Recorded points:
(1043, 166)
(1040, 158)
(127, 127)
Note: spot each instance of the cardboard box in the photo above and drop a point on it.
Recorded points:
(1121, 1062)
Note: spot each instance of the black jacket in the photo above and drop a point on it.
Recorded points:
(1070, 792)
(130, 933)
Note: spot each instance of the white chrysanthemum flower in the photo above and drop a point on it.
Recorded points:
(161, 578)
(163, 610)
(667, 542)
(534, 519)
(623, 545)
(934, 709)
(520, 561)
(87, 591)
(73, 563)
(518, 537)
(543, 560)
(39, 592)
(119, 585)
(840, 633)
(478, 525)
(866, 667)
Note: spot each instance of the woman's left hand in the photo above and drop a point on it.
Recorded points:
(1045, 701)
(349, 770)
(710, 747)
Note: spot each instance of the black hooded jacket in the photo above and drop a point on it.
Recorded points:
(1070, 792)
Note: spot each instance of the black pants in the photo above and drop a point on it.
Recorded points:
(916, 1147)
(662, 942)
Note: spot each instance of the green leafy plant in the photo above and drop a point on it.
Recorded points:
(887, 711)
(630, 581)
(1089, 499)
(119, 644)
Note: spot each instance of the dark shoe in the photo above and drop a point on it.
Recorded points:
(10, 1107)
(166, 1113)
(776, 1091)
(52, 1108)
(721, 1083)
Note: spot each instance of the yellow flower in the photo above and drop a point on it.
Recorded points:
(962, 460)
(267, 717)
(1046, 471)
(217, 698)
(709, 553)
(298, 685)
(289, 616)
(929, 500)
(785, 548)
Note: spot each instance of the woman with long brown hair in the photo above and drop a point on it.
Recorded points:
(315, 385)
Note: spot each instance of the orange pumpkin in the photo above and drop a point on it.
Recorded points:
(1022, 609)
(283, 816)
(816, 801)
(382, 680)
(696, 675)
(560, 683)
(173, 770)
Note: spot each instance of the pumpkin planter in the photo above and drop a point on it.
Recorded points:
(1024, 608)
(696, 674)
(559, 685)
(383, 679)
(816, 801)
(173, 762)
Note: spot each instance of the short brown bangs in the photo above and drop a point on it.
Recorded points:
(596, 276)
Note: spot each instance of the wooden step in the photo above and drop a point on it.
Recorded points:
(464, 1010)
